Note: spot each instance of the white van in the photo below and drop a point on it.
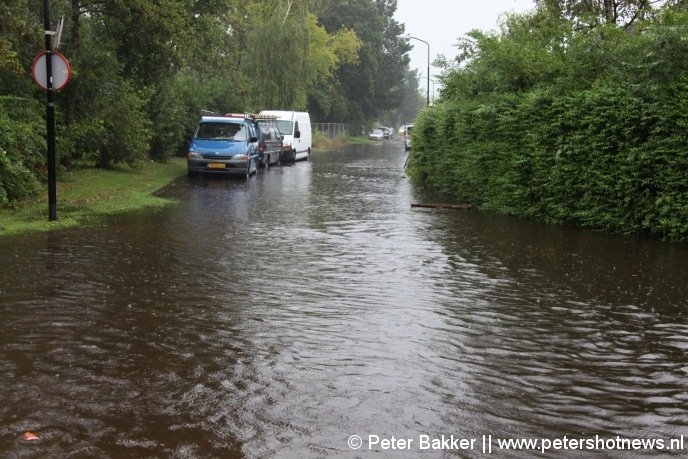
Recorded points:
(296, 129)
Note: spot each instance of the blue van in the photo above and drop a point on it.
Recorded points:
(224, 145)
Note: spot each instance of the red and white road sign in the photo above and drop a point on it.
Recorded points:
(62, 71)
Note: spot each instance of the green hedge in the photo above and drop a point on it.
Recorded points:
(611, 154)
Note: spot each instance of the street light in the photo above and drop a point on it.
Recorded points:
(428, 45)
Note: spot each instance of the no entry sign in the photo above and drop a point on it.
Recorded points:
(62, 72)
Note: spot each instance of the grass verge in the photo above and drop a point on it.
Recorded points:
(359, 140)
(87, 195)
(320, 142)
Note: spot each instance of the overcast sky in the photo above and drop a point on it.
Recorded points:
(442, 22)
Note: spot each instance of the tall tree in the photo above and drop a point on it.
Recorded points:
(19, 43)
(591, 12)
(371, 85)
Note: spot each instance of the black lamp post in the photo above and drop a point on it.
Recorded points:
(50, 116)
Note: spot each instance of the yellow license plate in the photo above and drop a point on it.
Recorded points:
(216, 166)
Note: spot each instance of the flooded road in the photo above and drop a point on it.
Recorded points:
(311, 312)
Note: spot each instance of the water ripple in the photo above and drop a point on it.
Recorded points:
(276, 317)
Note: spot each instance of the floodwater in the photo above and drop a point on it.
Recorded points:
(284, 316)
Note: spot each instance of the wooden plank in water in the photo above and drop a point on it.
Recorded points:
(439, 205)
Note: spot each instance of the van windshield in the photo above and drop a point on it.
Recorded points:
(285, 126)
(221, 131)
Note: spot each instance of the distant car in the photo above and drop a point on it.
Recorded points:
(269, 144)
(376, 134)
(407, 137)
(387, 132)
(224, 145)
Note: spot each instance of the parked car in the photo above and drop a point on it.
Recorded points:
(376, 134)
(296, 129)
(407, 137)
(269, 143)
(224, 145)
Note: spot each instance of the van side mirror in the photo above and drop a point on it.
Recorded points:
(297, 134)
(253, 139)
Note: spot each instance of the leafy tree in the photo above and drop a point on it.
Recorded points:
(288, 53)
(174, 40)
(127, 130)
(595, 12)
(275, 55)
(411, 101)
(19, 43)
(22, 143)
(21, 147)
(369, 86)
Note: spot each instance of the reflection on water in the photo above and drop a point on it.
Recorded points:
(279, 316)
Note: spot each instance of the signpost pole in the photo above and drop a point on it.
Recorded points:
(50, 116)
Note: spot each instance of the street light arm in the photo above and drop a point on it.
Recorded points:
(419, 39)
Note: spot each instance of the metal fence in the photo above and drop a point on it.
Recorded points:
(332, 130)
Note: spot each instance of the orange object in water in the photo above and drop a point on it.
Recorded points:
(30, 436)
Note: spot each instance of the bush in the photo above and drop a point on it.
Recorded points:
(22, 147)
(127, 130)
(16, 181)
